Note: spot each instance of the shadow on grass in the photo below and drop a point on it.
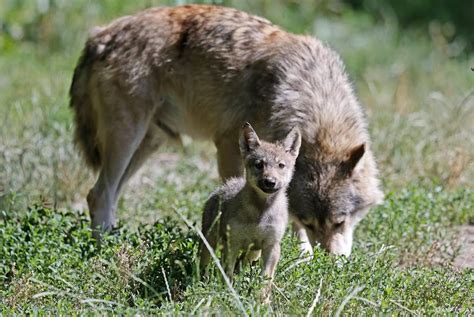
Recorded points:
(169, 261)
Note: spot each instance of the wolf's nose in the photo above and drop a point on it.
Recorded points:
(269, 183)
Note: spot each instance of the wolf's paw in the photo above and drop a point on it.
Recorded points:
(306, 250)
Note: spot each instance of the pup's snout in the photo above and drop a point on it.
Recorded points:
(269, 183)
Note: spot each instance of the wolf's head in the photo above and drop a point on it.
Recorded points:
(329, 197)
(269, 166)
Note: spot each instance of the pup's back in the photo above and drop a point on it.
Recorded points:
(217, 201)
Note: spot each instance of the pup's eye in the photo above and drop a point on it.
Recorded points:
(281, 165)
(338, 224)
(259, 165)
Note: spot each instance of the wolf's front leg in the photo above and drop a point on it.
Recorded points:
(228, 157)
(306, 247)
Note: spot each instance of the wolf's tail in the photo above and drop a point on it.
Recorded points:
(85, 135)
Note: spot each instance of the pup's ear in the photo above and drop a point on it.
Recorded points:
(352, 158)
(292, 142)
(248, 140)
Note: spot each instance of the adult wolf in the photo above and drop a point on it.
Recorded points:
(205, 70)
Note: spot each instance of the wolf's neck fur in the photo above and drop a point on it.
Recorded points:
(262, 201)
(312, 78)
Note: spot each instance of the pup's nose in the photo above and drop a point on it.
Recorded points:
(269, 183)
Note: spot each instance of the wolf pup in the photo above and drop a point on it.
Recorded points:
(202, 70)
(250, 214)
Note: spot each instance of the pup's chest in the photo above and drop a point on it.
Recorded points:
(266, 230)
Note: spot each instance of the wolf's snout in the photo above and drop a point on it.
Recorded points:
(340, 244)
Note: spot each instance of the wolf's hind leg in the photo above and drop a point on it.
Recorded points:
(150, 144)
(102, 198)
(122, 127)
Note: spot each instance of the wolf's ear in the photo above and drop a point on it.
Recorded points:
(352, 158)
(292, 142)
(248, 140)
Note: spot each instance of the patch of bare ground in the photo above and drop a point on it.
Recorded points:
(159, 165)
(465, 259)
(457, 250)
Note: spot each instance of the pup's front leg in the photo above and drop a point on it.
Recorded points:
(253, 256)
(229, 258)
(271, 256)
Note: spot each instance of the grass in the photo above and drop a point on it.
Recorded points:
(420, 105)
(51, 265)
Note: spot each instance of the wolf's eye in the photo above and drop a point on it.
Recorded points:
(339, 224)
(281, 165)
(310, 226)
(259, 165)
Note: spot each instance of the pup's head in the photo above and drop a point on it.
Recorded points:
(329, 197)
(269, 166)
